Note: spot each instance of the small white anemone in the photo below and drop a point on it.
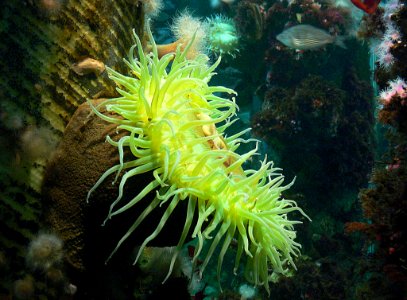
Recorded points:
(185, 27)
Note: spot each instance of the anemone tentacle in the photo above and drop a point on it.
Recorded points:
(175, 123)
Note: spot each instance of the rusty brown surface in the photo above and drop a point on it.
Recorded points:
(81, 158)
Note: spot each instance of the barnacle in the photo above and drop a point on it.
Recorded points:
(176, 123)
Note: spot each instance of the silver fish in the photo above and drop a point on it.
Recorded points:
(307, 37)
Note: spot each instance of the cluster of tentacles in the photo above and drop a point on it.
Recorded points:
(176, 126)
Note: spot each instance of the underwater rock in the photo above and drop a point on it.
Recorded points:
(74, 168)
(80, 160)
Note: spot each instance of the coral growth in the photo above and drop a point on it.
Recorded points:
(384, 202)
(384, 208)
(396, 88)
(389, 29)
(383, 50)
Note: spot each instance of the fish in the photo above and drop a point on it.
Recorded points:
(368, 6)
(307, 37)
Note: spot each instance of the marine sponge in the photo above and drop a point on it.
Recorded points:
(170, 113)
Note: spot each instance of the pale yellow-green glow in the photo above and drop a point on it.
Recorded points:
(176, 122)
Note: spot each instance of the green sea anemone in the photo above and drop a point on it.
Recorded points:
(170, 113)
(222, 35)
